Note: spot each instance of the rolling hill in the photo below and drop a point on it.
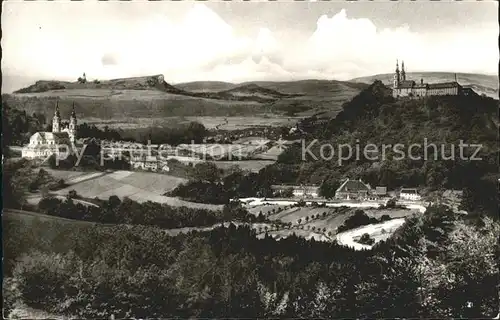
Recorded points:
(206, 86)
(152, 97)
(301, 97)
(481, 83)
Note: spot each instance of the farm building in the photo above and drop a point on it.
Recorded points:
(297, 191)
(150, 163)
(353, 189)
(409, 194)
(380, 191)
(377, 193)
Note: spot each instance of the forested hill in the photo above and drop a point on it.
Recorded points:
(375, 117)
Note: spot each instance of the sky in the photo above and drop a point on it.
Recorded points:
(243, 41)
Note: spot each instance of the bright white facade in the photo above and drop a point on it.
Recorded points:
(44, 144)
(409, 194)
(150, 163)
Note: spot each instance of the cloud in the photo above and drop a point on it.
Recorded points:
(109, 59)
(200, 45)
(343, 47)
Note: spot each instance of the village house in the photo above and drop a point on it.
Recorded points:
(409, 194)
(378, 193)
(353, 190)
(297, 191)
(149, 163)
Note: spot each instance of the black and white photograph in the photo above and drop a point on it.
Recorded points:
(250, 159)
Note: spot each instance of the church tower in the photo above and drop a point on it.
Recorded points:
(72, 125)
(396, 77)
(403, 72)
(56, 121)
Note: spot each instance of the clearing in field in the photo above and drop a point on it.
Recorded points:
(245, 165)
(271, 154)
(138, 186)
(64, 174)
(282, 234)
(378, 231)
(239, 123)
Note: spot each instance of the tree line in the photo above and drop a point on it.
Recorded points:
(127, 211)
(193, 131)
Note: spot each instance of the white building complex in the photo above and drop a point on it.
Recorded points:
(44, 144)
(409, 194)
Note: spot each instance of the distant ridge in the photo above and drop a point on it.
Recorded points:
(206, 86)
(151, 96)
(132, 83)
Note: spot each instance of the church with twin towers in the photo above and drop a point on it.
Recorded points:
(44, 144)
(403, 87)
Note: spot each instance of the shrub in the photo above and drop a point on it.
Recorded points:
(72, 194)
(41, 279)
(10, 295)
(366, 239)
(385, 217)
(358, 219)
(391, 204)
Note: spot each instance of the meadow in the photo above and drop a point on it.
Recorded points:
(245, 165)
(138, 186)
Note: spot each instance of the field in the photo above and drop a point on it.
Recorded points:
(219, 151)
(379, 232)
(251, 121)
(138, 186)
(271, 154)
(259, 141)
(245, 165)
(66, 175)
(312, 217)
(324, 228)
(265, 209)
(281, 234)
(210, 122)
(126, 104)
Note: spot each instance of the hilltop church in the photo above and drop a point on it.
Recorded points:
(44, 144)
(409, 88)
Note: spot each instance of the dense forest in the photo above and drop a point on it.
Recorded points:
(18, 126)
(435, 266)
